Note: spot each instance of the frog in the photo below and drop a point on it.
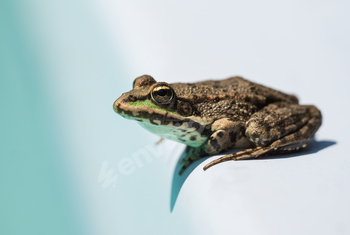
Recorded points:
(213, 116)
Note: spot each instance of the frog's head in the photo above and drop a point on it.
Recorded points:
(157, 108)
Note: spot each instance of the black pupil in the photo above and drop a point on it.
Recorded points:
(162, 92)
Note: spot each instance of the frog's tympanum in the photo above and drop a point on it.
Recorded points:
(213, 116)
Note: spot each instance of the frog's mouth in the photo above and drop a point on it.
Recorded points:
(158, 116)
(191, 130)
(142, 109)
(186, 131)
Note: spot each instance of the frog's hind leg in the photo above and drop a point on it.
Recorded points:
(290, 142)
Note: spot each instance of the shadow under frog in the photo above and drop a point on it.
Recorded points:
(178, 180)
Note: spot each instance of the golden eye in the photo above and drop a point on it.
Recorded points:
(162, 94)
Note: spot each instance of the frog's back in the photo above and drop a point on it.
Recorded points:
(232, 85)
(234, 97)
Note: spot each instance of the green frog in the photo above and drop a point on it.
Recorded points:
(213, 116)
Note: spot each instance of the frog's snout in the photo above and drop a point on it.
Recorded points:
(115, 106)
(117, 103)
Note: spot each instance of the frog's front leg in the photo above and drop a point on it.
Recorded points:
(225, 135)
(279, 127)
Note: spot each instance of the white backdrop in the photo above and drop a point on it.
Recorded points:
(296, 46)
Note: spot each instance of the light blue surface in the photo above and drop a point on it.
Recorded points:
(37, 194)
(60, 77)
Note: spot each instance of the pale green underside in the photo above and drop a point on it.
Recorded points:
(168, 131)
(174, 133)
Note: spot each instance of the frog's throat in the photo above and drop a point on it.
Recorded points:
(186, 130)
(185, 133)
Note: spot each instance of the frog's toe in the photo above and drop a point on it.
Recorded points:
(244, 157)
(245, 154)
(193, 155)
(183, 160)
(184, 167)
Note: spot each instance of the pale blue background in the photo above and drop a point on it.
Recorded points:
(63, 63)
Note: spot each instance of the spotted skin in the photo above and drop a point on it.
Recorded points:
(213, 116)
(223, 130)
(293, 138)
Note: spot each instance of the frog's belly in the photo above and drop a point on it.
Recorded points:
(184, 134)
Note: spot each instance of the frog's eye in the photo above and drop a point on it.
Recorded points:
(162, 94)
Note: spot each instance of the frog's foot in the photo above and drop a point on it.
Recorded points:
(192, 154)
(160, 141)
(245, 154)
(292, 142)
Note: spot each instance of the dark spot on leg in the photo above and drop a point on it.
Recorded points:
(233, 137)
(139, 120)
(215, 144)
(193, 138)
(220, 134)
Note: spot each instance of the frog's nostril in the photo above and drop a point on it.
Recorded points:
(131, 98)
